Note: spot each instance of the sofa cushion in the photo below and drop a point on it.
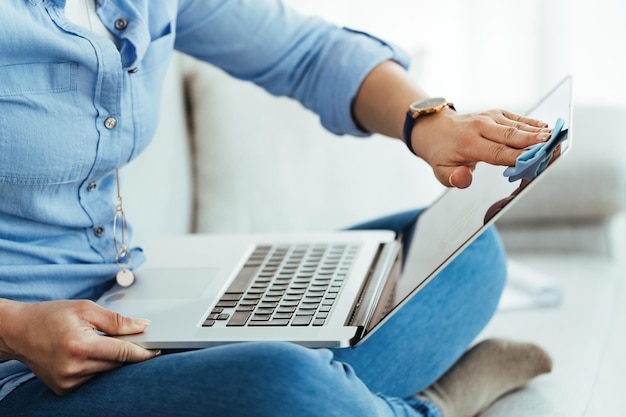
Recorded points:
(266, 164)
(157, 187)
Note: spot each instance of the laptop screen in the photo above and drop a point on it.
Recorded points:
(459, 216)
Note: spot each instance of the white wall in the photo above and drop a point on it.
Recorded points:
(503, 53)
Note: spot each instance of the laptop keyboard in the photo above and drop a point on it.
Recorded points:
(285, 285)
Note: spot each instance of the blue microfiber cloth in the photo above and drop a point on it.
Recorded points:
(536, 159)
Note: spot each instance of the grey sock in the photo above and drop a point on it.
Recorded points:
(483, 374)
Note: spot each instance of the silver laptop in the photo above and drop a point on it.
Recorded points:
(320, 289)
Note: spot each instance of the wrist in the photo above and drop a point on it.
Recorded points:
(419, 113)
(9, 311)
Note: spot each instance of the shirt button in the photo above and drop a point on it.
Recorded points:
(98, 231)
(121, 24)
(92, 186)
(110, 123)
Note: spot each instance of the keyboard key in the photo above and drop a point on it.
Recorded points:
(242, 280)
(301, 320)
(232, 296)
(275, 322)
(239, 318)
(279, 287)
(289, 303)
(226, 303)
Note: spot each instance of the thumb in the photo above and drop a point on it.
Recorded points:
(460, 177)
(115, 324)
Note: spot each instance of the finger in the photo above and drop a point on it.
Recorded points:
(107, 348)
(504, 121)
(492, 153)
(95, 366)
(69, 378)
(457, 176)
(113, 323)
(461, 177)
(514, 135)
(526, 120)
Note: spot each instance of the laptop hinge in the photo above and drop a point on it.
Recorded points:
(380, 282)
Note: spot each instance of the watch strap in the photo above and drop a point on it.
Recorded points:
(409, 122)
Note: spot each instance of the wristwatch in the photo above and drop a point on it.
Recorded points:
(421, 108)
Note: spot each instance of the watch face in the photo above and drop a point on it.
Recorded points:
(428, 103)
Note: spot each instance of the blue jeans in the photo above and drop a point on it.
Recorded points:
(275, 379)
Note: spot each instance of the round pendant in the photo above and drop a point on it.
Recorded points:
(125, 278)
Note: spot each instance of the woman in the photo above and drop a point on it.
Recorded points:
(79, 92)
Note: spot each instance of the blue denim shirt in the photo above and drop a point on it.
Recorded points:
(73, 106)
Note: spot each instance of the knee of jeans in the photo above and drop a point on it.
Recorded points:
(291, 360)
(291, 380)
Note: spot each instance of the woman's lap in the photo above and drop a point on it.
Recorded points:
(429, 333)
(404, 356)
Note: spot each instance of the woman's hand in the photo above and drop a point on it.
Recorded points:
(59, 343)
(453, 143)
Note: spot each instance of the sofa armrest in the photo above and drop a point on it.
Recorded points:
(589, 184)
(573, 208)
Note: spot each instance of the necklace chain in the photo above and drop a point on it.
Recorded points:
(122, 254)
(123, 257)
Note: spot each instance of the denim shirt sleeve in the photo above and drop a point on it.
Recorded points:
(302, 57)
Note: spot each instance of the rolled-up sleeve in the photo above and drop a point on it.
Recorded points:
(288, 54)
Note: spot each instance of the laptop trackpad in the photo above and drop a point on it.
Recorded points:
(165, 283)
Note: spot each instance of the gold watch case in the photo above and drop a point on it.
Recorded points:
(428, 106)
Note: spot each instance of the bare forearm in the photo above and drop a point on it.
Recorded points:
(384, 98)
